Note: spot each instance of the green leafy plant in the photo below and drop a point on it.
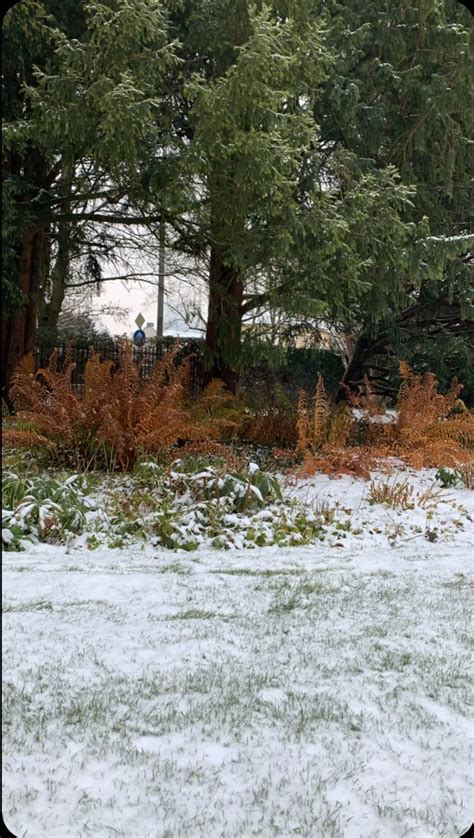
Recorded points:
(238, 490)
(449, 476)
(43, 506)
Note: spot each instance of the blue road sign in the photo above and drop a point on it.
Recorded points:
(139, 337)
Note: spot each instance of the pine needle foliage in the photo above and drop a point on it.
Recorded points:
(120, 414)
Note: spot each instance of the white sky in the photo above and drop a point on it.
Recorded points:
(142, 297)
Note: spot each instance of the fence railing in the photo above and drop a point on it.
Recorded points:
(258, 377)
(146, 356)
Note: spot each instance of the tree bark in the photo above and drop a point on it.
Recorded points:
(364, 348)
(19, 328)
(224, 322)
(50, 311)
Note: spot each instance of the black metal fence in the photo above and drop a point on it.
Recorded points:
(287, 373)
(146, 356)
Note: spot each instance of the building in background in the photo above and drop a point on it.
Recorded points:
(150, 331)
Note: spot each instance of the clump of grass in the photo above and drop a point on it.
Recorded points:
(401, 495)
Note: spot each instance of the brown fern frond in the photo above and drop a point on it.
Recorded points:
(419, 403)
(47, 399)
(340, 427)
(320, 414)
(353, 461)
(97, 385)
(370, 401)
(303, 428)
(272, 428)
(459, 428)
(452, 400)
(427, 433)
(435, 454)
(53, 361)
(353, 399)
(162, 376)
(214, 396)
(165, 422)
(467, 473)
(26, 366)
(406, 375)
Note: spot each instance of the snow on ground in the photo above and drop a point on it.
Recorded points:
(314, 691)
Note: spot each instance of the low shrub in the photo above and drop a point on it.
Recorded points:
(402, 495)
(239, 491)
(427, 430)
(268, 418)
(463, 475)
(42, 508)
(120, 415)
(181, 506)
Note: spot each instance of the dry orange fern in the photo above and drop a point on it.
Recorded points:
(467, 473)
(303, 427)
(428, 432)
(354, 461)
(430, 429)
(340, 427)
(320, 414)
(120, 413)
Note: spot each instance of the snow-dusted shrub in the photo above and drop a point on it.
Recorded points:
(463, 475)
(449, 476)
(42, 507)
(238, 490)
(169, 507)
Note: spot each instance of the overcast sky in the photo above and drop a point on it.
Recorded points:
(138, 298)
(182, 286)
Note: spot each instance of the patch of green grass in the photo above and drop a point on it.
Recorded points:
(243, 571)
(41, 605)
(303, 595)
(173, 567)
(193, 614)
(458, 582)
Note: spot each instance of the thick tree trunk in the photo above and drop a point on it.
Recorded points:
(365, 348)
(355, 369)
(49, 311)
(19, 328)
(224, 322)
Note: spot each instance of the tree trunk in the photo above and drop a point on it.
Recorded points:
(365, 348)
(19, 328)
(224, 322)
(50, 311)
(354, 372)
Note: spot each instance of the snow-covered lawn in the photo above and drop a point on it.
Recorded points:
(315, 691)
